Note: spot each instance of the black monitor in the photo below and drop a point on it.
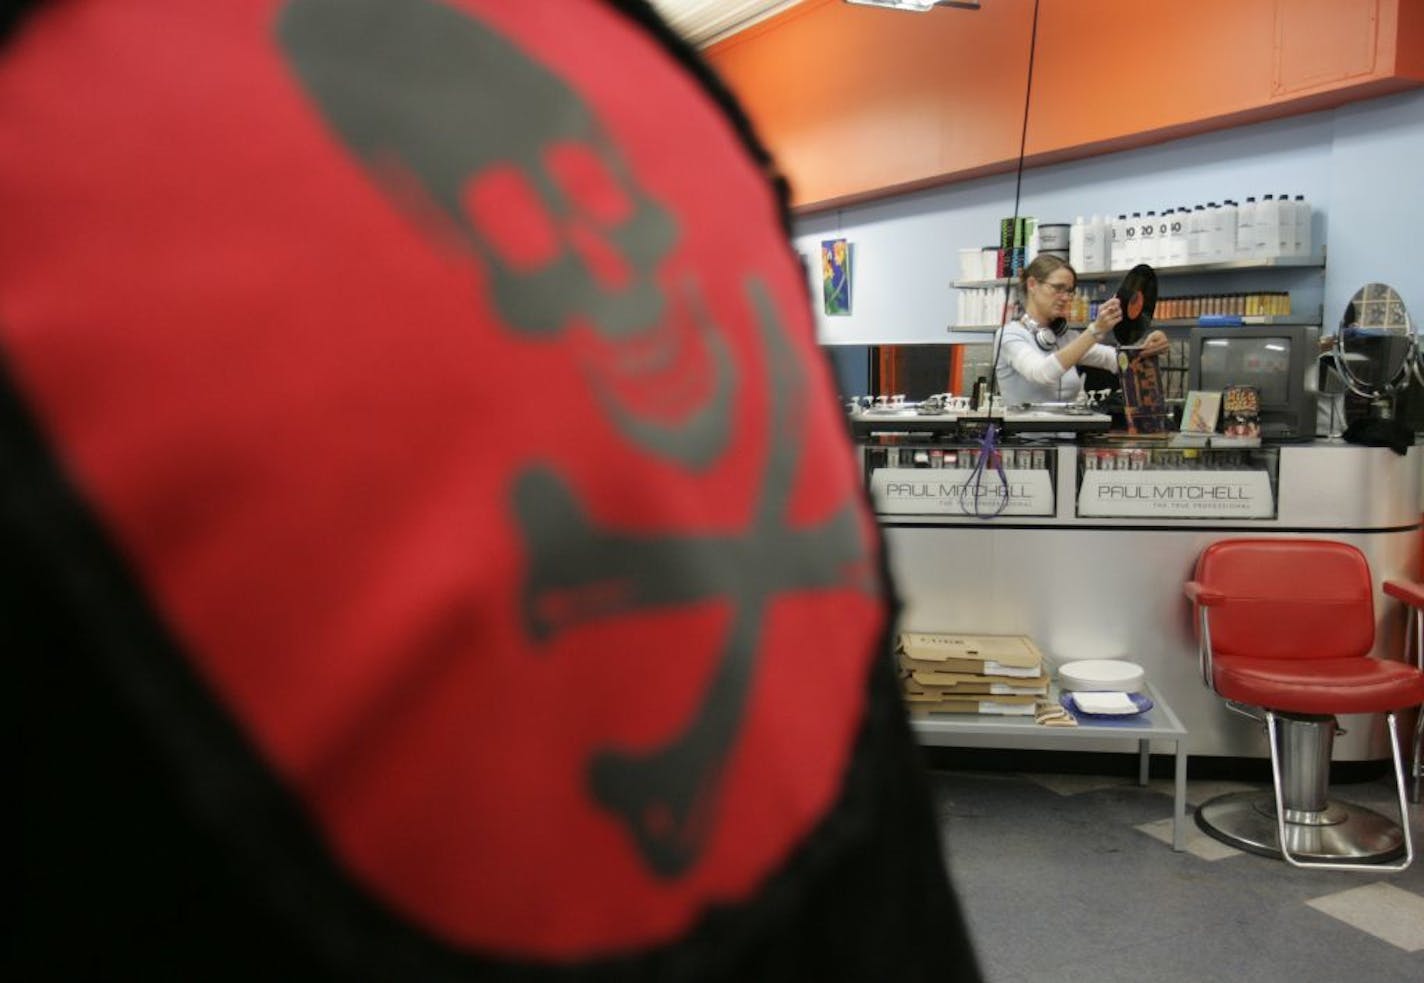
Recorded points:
(1279, 360)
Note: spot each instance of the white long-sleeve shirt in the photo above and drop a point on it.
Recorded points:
(1028, 374)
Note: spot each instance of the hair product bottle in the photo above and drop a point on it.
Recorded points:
(1285, 234)
(1226, 234)
(1246, 229)
(1095, 245)
(1303, 241)
(1267, 228)
(1177, 238)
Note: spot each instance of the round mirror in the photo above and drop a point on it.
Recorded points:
(1376, 353)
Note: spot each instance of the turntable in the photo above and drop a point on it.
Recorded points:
(938, 414)
(1055, 418)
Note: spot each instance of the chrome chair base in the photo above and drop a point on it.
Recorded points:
(1417, 778)
(1339, 833)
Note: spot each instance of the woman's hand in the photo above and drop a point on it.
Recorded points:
(1109, 315)
(1155, 344)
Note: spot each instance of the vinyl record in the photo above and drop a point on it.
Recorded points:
(1138, 295)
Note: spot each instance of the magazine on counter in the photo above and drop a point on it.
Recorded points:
(1241, 411)
(1200, 412)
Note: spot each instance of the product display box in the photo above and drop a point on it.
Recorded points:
(1144, 403)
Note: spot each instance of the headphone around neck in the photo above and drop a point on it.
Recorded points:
(1047, 337)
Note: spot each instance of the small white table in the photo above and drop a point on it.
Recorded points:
(1159, 723)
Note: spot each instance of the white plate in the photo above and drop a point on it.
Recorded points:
(1141, 705)
(1088, 675)
(1104, 702)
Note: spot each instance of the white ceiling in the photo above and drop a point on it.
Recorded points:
(706, 21)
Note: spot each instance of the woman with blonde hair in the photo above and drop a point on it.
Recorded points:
(1037, 355)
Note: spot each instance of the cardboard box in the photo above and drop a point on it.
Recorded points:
(993, 707)
(978, 655)
(959, 684)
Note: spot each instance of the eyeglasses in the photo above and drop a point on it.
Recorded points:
(1061, 288)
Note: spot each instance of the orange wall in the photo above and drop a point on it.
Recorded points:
(857, 102)
(1409, 49)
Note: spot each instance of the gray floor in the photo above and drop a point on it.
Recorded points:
(1072, 878)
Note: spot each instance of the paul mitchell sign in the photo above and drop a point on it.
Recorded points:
(1177, 495)
(921, 491)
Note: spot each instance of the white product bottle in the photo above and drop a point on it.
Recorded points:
(1227, 237)
(1246, 229)
(1164, 237)
(1147, 239)
(1132, 248)
(1094, 241)
(1214, 253)
(1177, 238)
(1196, 236)
(1304, 245)
(1285, 233)
(1076, 236)
(1117, 244)
(1267, 229)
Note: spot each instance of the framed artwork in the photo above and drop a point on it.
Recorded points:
(835, 275)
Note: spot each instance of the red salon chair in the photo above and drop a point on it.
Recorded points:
(1412, 594)
(1284, 631)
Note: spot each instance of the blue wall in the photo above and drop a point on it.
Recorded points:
(1357, 165)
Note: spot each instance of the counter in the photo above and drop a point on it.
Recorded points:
(1098, 537)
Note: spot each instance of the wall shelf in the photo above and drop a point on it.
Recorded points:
(1250, 320)
(1281, 262)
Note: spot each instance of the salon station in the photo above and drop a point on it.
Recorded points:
(1222, 536)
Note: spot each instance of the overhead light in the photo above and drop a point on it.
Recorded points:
(918, 6)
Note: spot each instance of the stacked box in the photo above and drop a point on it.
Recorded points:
(982, 674)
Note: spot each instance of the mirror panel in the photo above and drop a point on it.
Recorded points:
(1376, 353)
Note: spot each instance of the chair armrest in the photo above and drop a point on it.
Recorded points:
(1201, 594)
(1411, 592)
(1203, 597)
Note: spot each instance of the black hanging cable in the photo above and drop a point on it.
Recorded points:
(988, 454)
(1018, 189)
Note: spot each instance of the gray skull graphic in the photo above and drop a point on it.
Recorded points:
(489, 151)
